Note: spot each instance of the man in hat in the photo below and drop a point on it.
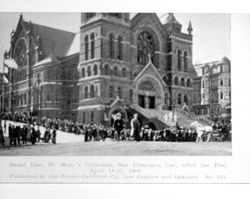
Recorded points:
(118, 125)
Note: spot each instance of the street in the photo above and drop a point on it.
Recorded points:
(122, 148)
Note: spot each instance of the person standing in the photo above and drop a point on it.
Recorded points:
(2, 136)
(135, 127)
(54, 135)
(118, 126)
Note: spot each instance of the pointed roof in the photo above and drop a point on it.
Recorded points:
(172, 24)
(171, 19)
(53, 41)
(150, 68)
(190, 28)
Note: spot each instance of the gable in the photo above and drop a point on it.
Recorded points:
(151, 70)
(149, 20)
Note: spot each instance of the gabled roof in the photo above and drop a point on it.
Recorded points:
(53, 42)
(149, 68)
(139, 17)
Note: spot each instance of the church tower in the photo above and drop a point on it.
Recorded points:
(179, 62)
(104, 65)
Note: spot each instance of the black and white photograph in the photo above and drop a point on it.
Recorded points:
(115, 84)
(124, 99)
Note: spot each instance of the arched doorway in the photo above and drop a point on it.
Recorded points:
(149, 93)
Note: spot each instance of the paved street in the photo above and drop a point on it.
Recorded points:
(120, 148)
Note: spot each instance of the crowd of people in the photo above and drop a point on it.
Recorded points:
(93, 132)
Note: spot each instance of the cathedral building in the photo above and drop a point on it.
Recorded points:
(114, 64)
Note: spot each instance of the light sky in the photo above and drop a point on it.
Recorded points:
(211, 32)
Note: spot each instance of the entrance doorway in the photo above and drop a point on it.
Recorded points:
(141, 101)
(151, 102)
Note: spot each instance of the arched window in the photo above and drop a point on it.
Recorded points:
(86, 41)
(111, 91)
(106, 69)
(182, 81)
(86, 92)
(83, 72)
(176, 81)
(145, 48)
(92, 38)
(115, 71)
(179, 99)
(185, 61)
(119, 91)
(95, 69)
(92, 91)
(179, 60)
(166, 98)
(131, 95)
(89, 71)
(188, 83)
(120, 48)
(111, 46)
(186, 101)
(124, 72)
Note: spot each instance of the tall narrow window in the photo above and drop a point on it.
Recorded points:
(176, 81)
(179, 99)
(124, 72)
(89, 71)
(185, 61)
(221, 95)
(119, 91)
(145, 48)
(120, 48)
(86, 92)
(83, 72)
(166, 98)
(186, 101)
(111, 91)
(111, 46)
(95, 69)
(179, 60)
(182, 81)
(106, 69)
(92, 37)
(86, 41)
(115, 71)
(92, 91)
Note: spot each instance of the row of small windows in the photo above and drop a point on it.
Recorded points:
(182, 99)
(182, 82)
(20, 100)
(89, 92)
(185, 61)
(105, 71)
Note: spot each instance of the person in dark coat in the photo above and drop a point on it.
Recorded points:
(11, 135)
(46, 137)
(2, 136)
(33, 136)
(118, 126)
(135, 127)
(53, 139)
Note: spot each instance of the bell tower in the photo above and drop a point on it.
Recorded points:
(179, 61)
(104, 63)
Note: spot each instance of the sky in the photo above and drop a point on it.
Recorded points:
(211, 32)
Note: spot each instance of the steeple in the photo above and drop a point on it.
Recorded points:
(172, 24)
(190, 28)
